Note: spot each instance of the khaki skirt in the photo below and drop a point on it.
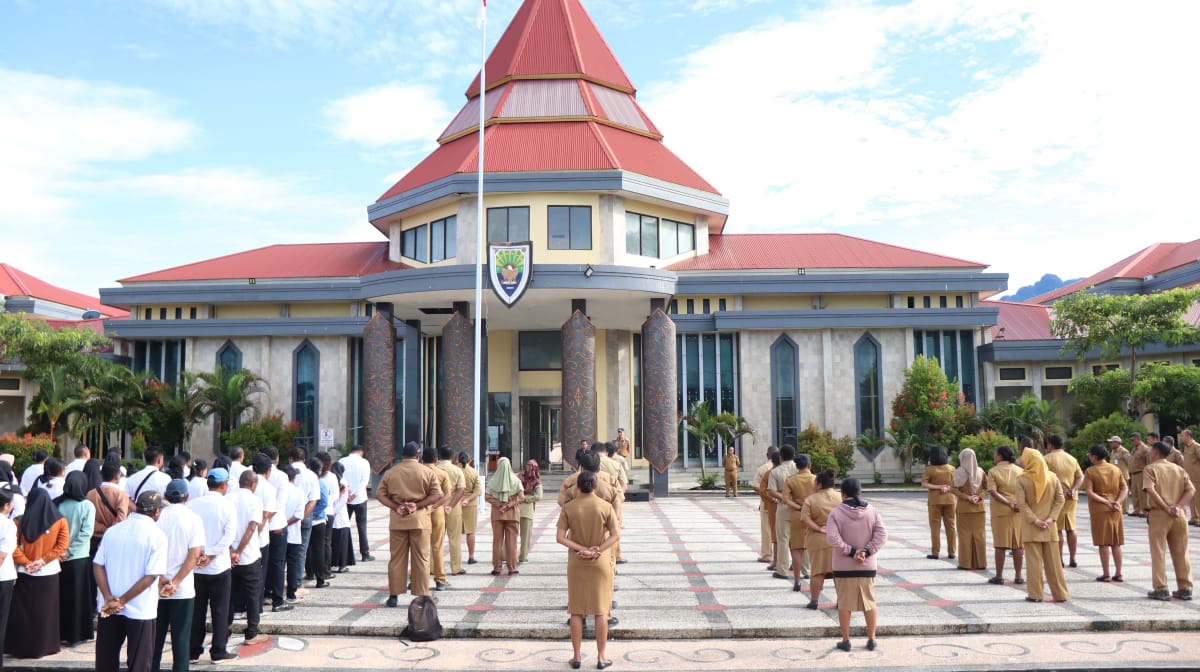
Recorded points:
(589, 585)
(855, 593)
(470, 514)
(820, 560)
(1006, 531)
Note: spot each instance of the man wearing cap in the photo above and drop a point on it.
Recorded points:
(1137, 463)
(246, 574)
(1191, 465)
(408, 490)
(1119, 456)
(622, 443)
(213, 571)
(131, 559)
(176, 588)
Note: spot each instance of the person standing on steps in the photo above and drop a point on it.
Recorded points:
(357, 477)
(437, 519)
(1065, 467)
(766, 513)
(938, 479)
(470, 507)
(176, 589)
(408, 489)
(531, 483)
(795, 491)
(453, 508)
(214, 575)
(856, 533)
(588, 527)
(1006, 523)
(815, 516)
(505, 494)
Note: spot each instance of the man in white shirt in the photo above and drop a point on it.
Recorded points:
(357, 476)
(237, 457)
(246, 588)
(297, 505)
(82, 455)
(213, 572)
(33, 472)
(261, 466)
(276, 582)
(131, 559)
(310, 485)
(176, 589)
(150, 478)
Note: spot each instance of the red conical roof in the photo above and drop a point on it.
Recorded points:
(553, 38)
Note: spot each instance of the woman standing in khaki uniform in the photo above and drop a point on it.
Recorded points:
(814, 515)
(795, 491)
(505, 493)
(937, 479)
(588, 527)
(970, 512)
(1006, 527)
(1106, 491)
(1040, 496)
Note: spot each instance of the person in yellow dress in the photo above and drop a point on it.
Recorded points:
(970, 511)
(1006, 523)
(814, 515)
(1066, 468)
(938, 479)
(1040, 496)
(731, 464)
(588, 527)
(1106, 491)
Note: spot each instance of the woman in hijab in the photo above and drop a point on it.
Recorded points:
(588, 527)
(1040, 497)
(814, 514)
(77, 585)
(8, 570)
(970, 512)
(91, 471)
(42, 539)
(505, 493)
(342, 538)
(856, 532)
(531, 484)
(938, 480)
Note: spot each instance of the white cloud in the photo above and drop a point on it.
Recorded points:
(388, 115)
(1062, 149)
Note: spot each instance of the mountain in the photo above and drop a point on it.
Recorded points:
(1048, 283)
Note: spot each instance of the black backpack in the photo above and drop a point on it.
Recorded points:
(423, 624)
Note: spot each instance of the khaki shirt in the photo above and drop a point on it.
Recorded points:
(760, 482)
(1048, 507)
(409, 481)
(437, 513)
(1175, 457)
(1191, 457)
(1065, 467)
(1170, 480)
(731, 463)
(1003, 479)
(1139, 460)
(1121, 457)
(458, 480)
(799, 487)
(606, 489)
(613, 468)
(474, 486)
(622, 447)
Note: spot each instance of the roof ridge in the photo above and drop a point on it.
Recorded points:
(1136, 258)
(578, 53)
(594, 129)
(15, 274)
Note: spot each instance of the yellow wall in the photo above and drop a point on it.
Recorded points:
(317, 309)
(413, 221)
(655, 210)
(247, 310)
(714, 303)
(500, 362)
(836, 301)
(792, 302)
(935, 300)
(539, 380)
(140, 312)
(538, 225)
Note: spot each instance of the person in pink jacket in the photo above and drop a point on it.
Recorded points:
(856, 533)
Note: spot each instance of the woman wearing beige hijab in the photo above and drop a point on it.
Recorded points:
(505, 493)
(970, 514)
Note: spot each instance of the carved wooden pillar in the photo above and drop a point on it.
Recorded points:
(660, 390)
(379, 389)
(456, 403)
(578, 383)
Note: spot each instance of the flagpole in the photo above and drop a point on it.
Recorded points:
(479, 259)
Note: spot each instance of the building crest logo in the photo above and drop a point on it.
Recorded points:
(510, 267)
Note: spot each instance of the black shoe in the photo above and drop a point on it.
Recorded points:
(950, 557)
(612, 620)
(224, 655)
(321, 583)
(282, 607)
(1184, 594)
(1160, 595)
(601, 664)
(777, 575)
(870, 645)
(308, 577)
(471, 561)
(931, 556)
(844, 645)
(367, 557)
(392, 602)
(575, 664)
(771, 567)
(812, 604)
(619, 562)
(440, 586)
(796, 588)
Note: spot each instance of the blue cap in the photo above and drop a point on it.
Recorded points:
(176, 491)
(218, 475)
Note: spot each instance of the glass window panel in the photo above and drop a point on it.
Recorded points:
(437, 241)
(451, 237)
(1059, 372)
(408, 244)
(708, 351)
(692, 360)
(783, 386)
(306, 371)
(540, 350)
(558, 227)
(497, 223)
(518, 224)
(687, 238)
(154, 362)
(171, 365)
(866, 370)
(669, 232)
(633, 233)
(422, 243)
(727, 378)
(967, 353)
(649, 236)
(950, 355)
(581, 228)
(229, 357)
(1012, 373)
(933, 345)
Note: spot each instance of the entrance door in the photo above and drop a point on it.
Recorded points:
(542, 437)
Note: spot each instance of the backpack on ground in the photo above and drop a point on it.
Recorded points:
(423, 624)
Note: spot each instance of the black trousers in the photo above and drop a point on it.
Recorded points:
(359, 513)
(246, 586)
(212, 595)
(264, 562)
(315, 565)
(115, 631)
(6, 592)
(175, 616)
(328, 546)
(276, 586)
(295, 568)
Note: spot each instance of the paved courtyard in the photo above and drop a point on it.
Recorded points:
(693, 596)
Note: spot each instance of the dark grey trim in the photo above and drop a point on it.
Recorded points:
(339, 289)
(226, 346)
(1051, 351)
(881, 318)
(545, 276)
(466, 184)
(230, 328)
(694, 324)
(889, 282)
(20, 304)
(1184, 276)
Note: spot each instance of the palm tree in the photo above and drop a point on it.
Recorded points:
(58, 394)
(872, 444)
(904, 445)
(171, 411)
(226, 394)
(703, 426)
(731, 427)
(112, 393)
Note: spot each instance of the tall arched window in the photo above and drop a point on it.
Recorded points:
(868, 388)
(785, 393)
(306, 380)
(229, 357)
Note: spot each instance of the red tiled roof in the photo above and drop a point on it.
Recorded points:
(1155, 259)
(1020, 321)
(15, 282)
(761, 251)
(552, 37)
(316, 260)
(553, 146)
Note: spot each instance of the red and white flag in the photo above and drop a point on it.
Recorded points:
(482, 18)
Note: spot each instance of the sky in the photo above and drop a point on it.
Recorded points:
(1032, 136)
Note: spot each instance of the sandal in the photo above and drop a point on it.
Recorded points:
(1019, 581)
(1104, 579)
(996, 581)
(495, 572)
(1117, 578)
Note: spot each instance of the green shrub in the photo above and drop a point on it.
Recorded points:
(708, 481)
(826, 452)
(1098, 431)
(270, 430)
(23, 447)
(985, 444)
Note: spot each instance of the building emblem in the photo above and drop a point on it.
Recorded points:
(510, 267)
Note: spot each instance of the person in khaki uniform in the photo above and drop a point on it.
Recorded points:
(1120, 456)
(610, 466)
(453, 508)
(970, 511)
(1137, 462)
(1191, 465)
(408, 490)
(814, 514)
(505, 493)
(622, 444)
(1066, 468)
(1006, 526)
(766, 549)
(588, 527)
(797, 489)
(938, 479)
(1168, 490)
(776, 484)
(1040, 497)
(437, 519)
(731, 464)
(1106, 493)
(470, 503)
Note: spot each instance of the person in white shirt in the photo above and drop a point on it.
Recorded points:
(297, 504)
(131, 559)
(198, 483)
(236, 467)
(213, 571)
(342, 540)
(176, 589)
(275, 586)
(53, 477)
(33, 472)
(82, 455)
(310, 485)
(266, 494)
(8, 544)
(149, 478)
(357, 477)
(246, 589)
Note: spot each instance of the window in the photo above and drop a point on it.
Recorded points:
(691, 306)
(868, 387)
(192, 312)
(414, 243)
(569, 227)
(540, 350)
(1059, 372)
(1101, 368)
(179, 313)
(707, 307)
(720, 304)
(674, 310)
(507, 225)
(148, 314)
(229, 357)
(644, 236)
(784, 387)
(912, 302)
(443, 239)
(162, 313)
(925, 302)
(958, 302)
(941, 302)
(306, 380)
(958, 362)
(707, 373)
(1012, 373)
(10, 383)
